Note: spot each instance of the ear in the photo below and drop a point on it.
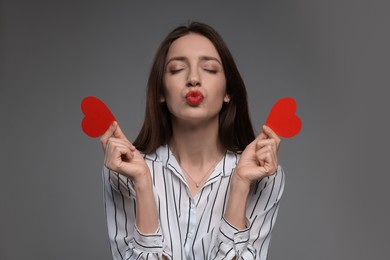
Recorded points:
(162, 99)
(226, 98)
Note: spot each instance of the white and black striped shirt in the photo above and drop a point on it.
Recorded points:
(190, 227)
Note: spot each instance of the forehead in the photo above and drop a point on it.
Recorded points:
(192, 45)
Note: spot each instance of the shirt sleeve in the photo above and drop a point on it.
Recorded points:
(126, 241)
(262, 209)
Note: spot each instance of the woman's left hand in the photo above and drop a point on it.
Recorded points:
(260, 157)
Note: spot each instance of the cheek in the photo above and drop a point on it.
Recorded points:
(171, 94)
(218, 94)
(167, 88)
(221, 88)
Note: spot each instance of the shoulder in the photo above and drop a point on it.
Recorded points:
(161, 154)
(232, 158)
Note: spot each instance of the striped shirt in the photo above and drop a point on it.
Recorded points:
(190, 227)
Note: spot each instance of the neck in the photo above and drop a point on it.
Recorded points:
(196, 145)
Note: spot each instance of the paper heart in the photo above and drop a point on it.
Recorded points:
(97, 116)
(282, 118)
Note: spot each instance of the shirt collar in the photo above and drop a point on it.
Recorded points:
(164, 155)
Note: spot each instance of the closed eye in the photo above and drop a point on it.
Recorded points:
(212, 71)
(175, 71)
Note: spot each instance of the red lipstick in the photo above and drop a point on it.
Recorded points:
(194, 98)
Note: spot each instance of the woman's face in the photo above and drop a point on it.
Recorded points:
(194, 80)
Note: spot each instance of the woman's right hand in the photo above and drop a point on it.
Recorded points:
(121, 156)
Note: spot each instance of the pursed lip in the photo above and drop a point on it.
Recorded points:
(194, 97)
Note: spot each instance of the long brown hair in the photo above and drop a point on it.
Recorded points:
(235, 127)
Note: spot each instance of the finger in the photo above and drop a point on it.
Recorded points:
(270, 143)
(267, 156)
(116, 155)
(262, 136)
(267, 159)
(267, 147)
(127, 155)
(268, 170)
(105, 149)
(116, 141)
(119, 134)
(270, 133)
(110, 131)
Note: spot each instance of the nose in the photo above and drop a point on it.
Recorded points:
(193, 79)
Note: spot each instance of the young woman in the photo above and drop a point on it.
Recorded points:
(196, 183)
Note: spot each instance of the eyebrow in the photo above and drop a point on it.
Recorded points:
(202, 58)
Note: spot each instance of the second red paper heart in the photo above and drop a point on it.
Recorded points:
(97, 117)
(282, 118)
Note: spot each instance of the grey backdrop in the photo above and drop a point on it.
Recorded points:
(332, 56)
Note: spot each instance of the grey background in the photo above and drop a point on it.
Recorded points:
(331, 56)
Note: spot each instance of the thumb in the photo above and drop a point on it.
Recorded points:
(110, 131)
(118, 133)
(263, 135)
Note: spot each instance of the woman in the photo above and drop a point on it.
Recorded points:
(196, 183)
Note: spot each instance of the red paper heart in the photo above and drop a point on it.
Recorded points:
(282, 118)
(97, 116)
